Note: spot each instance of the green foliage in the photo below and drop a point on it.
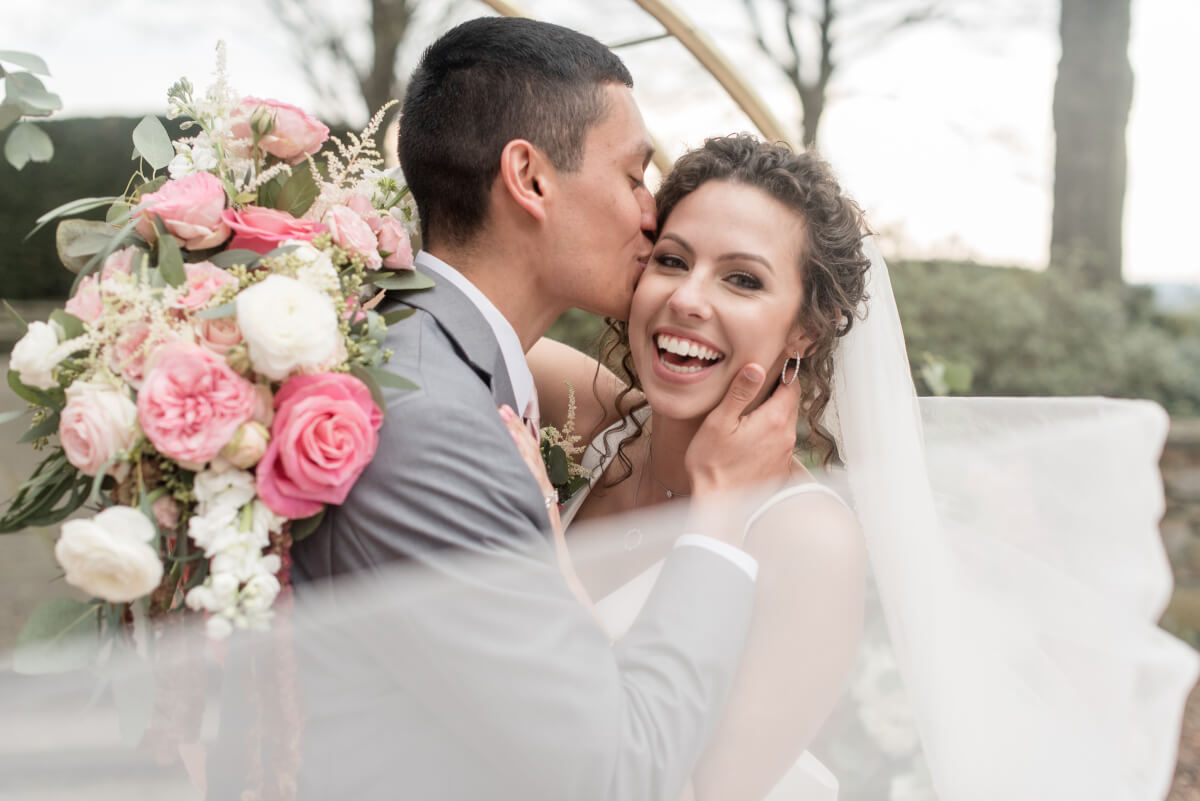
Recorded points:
(1020, 332)
(25, 96)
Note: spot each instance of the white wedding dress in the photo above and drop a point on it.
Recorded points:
(808, 779)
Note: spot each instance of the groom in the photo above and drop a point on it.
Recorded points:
(525, 153)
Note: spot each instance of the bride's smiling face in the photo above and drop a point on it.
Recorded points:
(723, 286)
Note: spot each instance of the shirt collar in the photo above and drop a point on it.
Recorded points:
(510, 344)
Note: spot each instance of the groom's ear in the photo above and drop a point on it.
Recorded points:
(527, 175)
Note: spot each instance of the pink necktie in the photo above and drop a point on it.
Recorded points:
(532, 417)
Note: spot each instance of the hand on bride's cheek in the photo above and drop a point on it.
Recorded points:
(722, 290)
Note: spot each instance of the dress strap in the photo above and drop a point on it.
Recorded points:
(806, 488)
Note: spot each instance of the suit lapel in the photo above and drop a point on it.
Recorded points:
(467, 329)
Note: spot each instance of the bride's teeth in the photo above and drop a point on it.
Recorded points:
(683, 347)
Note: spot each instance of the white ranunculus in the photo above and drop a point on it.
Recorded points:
(36, 354)
(110, 556)
(288, 326)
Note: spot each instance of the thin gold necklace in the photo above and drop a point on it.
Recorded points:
(670, 492)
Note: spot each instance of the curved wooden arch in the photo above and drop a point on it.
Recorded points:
(705, 51)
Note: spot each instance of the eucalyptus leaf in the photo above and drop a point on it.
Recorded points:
(71, 325)
(9, 113)
(396, 316)
(268, 193)
(153, 143)
(401, 280)
(59, 505)
(216, 312)
(74, 207)
(360, 372)
(78, 241)
(386, 378)
(39, 397)
(153, 185)
(228, 258)
(305, 526)
(298, 193)
(123, 235)
(26, 61)
(558, 470)
(170, 259)
(118, 213)
(59, 635)
(26, 143)
(16, 414)
(30, 94)
(24, 326)
(42, 429)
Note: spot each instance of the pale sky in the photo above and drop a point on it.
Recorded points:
(943, 135)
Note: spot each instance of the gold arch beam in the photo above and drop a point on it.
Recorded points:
(705, 51)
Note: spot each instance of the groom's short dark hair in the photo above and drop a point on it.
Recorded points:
(481, 85)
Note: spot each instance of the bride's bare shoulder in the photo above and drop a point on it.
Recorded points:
(558, 369)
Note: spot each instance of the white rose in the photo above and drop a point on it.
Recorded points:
(318, 271)
(36, 354)
(287, 326)
(110, 556)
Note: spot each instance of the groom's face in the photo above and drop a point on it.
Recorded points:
(605, 216)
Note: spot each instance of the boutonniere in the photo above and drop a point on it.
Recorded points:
(561, 451)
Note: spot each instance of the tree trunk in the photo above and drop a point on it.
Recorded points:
(1092, 97)
(389, 21)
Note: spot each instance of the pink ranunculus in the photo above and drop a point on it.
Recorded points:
(351, 232)
(191, 402)
(294, 136)
(88, 301)
(325, 433)
(394, 241)
(166, 512)
(263, 230)
(217, 335)
(131, 352)
(204, 279)
(190, 208)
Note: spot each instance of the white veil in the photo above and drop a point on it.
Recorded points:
(1015, 549)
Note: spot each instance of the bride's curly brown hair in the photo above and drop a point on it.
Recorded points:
(832, 264)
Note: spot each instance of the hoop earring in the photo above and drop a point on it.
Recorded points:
(795, 374)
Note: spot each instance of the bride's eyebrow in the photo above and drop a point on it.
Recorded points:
(740, 256)
(680, 241)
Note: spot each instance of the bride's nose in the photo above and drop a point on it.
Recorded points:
(690, 298)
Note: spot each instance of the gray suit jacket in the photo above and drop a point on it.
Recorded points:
(479, 675)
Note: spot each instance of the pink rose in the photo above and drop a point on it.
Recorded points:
(263, 230)
(394, 244)
(361, 205)
(88, 301)
(191, 403)
(217, 335)
(204, 279)
(293, 136)
(190, 208)
(351, 232)
(166, 512)
(132, 349)
(325, 433)
(98, 422)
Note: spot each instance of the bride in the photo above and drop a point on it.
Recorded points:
(760, 258)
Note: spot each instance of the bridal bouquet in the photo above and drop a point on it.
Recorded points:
(214, 379)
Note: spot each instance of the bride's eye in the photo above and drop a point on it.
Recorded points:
(670, 261)
(745, 281)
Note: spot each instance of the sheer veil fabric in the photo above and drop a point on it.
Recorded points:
(1020, 573)
(1012, 652)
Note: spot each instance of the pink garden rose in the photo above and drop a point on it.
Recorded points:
(263, 230)
(191, 403)
(325, 433)
(217, 335)
(294, 136)
(133, 348)
(191, 210)
(204, 279)
(394, 244)
(98, 422)
(351, 232)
